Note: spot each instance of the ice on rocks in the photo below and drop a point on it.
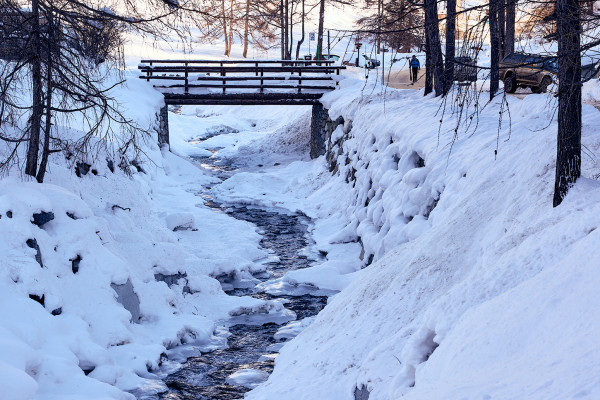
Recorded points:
(292, 329)
(249, 378)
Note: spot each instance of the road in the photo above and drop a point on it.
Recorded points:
(401, 80)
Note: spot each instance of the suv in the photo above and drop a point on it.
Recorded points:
(528, 70)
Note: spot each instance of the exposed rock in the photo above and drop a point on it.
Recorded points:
(110, 164)
(57, 311)
(138, 166)
(318, 127)
(173, 279)
(86, 367)
(9, 214)
(128, 299)
(362, 393)
(82, 169)
(75, 263)
(33, 244)
(38, 298)
(42, 218)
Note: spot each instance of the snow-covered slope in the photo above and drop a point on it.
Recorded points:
(110, 264)
(479, 289)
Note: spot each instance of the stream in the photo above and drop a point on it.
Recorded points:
(251, 345)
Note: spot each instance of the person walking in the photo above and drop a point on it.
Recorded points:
(415, 66)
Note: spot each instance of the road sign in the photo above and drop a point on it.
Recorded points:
(312, 36)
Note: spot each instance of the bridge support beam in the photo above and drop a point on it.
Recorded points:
(318, 130)
(163, 126)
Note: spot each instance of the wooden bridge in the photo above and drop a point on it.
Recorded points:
(243, 82)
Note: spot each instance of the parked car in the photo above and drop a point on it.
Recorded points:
(465, 69)
(528, 70)
(371, 63)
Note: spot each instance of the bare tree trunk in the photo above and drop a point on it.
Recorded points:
(320, 31)
(501, 27)
(287, 28)
(230, 29)
(432, 31)
(428, 67)
(282, 21)
(301, 39)
(450, 45)
(48, 128)
(291, 33)
(379, 12)
(225, 36)
(246, 23)
(495, 49)
(38, 107)
(568, 157)
(509, 45)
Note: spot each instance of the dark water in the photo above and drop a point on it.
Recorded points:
(286, 237)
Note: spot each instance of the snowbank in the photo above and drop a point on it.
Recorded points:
(478, 287)
(112, 263)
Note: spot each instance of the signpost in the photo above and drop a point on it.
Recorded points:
(358, 46)
(311, 38)
(383, 51)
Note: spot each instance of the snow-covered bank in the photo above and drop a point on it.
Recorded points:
(109, 265)
(478, 289)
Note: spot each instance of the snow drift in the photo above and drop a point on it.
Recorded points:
(479, 289)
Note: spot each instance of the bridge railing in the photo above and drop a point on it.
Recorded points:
(246, 75)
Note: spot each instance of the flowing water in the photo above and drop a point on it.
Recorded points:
(251, 344)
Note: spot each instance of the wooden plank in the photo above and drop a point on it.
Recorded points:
(193, 69)
(221, 86)
(222, 62)
(265, 78)
(243, 99)
(241, 78)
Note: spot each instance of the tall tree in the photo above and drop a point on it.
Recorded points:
(320, 30)
(501, 13)
(224, 19)
(36, 79)
(494, 48)
(246, 28)
(509, 42)
(568, 157)
(434, 47)
(450, 44)
(428, 66)
(303, 33)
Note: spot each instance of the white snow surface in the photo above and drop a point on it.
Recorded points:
(479, 289)
(115, 230)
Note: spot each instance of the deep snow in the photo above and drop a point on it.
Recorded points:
(476, 289)
(479, 289)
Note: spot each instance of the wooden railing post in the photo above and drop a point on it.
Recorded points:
(262, 82)
(223, 73)
(187, 88)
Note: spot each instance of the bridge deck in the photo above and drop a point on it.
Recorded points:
(246, 82)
